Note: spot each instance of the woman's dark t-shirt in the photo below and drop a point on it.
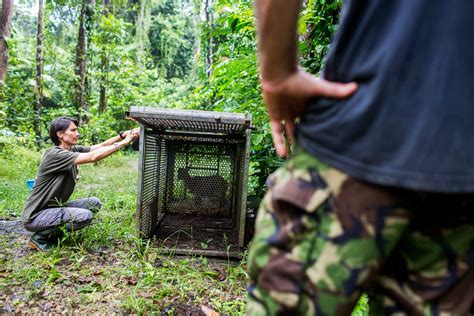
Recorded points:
(411, 122)
(55, 180)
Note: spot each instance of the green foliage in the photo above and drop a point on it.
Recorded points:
(18, 96)
(19, 163)
(127, 82)
(362, 307)
(166, 77)
(171, 38)
(317, 25)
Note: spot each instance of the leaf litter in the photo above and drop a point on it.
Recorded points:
(105, 280)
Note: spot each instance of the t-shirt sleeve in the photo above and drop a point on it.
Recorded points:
(82, 149)
(59, 160)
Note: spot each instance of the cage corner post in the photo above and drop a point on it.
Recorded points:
(244, 190)
(141, 162)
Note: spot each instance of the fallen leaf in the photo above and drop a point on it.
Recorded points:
(43, 293)
(131, 281)
(7, 308)
(208, 311)
(145, 294)
(47, 307)
(97, 272)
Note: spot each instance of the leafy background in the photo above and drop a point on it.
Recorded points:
(190, 54)
(186, 54)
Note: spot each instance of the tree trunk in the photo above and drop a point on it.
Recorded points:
(5, 29)
(141, 31)
(197, 37)
(106, 7)
(210, 37)
(104, 65)
(39, 68)
(81, 59)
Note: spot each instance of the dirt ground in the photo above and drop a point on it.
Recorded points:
(76, 289)
(13, 234)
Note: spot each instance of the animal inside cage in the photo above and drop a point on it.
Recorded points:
(192, 189)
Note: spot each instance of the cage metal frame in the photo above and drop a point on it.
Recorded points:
(157, 124)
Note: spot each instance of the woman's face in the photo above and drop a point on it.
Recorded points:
(70, 136)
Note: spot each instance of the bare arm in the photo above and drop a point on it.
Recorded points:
(276, 26)
(104, 151)
(286, 88)
(114, 139)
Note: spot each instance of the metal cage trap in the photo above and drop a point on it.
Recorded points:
(192, 187)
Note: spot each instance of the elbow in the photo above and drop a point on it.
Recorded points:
(94, 158)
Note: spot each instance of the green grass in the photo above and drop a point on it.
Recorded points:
(106, 268)
(17, 165)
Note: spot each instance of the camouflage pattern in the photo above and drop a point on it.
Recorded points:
(322, 239)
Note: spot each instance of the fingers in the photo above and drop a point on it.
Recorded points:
(305, 85)
(290, 130)
(333, 89)
(286, 101)
(133, 131)
(282, 140)
(277, 137)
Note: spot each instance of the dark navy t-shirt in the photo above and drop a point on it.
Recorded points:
(411, 122)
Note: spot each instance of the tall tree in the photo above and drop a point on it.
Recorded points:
(141, 31)
(210, 37)
(5, 30)
(39, 68)
(104, 65)
(81, 57)
(197, 36)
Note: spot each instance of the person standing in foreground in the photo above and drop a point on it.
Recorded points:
(394, 117)
(47, 208)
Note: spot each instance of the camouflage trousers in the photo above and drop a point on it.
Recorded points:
(323, 239)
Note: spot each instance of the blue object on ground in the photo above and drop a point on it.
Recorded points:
(30, 183)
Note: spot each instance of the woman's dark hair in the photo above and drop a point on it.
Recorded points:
(60, 125)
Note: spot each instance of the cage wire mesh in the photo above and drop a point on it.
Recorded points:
(192, 186)
(200, 178)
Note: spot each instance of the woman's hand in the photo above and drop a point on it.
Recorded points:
(131, 131)
(130, 137)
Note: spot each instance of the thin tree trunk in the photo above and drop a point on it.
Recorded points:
(104, 65)
(39, 68)
(81, 60)
(106, 7)
(5, 30)
(197, 37)
(141, 31)
(210, 38)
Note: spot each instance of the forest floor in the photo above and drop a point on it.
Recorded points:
(105, 268)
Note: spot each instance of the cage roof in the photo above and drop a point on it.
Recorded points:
(190, 120)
